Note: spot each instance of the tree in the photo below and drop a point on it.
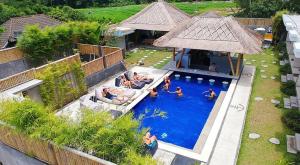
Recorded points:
(259, 8)
(279, 31)
(36, 45)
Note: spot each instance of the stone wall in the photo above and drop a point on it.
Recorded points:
(13, 67)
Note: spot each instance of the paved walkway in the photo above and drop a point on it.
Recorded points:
(228, 144)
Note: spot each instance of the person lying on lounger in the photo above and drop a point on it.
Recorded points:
(150, 141)
(178, 92)
(125, 82)
(110, 96)
(137, 77)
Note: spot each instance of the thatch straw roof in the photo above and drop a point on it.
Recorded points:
(214, 34)
(158, 16)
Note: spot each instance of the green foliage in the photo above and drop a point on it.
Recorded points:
(134, 158)
(292, 120)
(51, 43)
(26, 116)
(58, 86)
(259, 8)
(96, 132)
(1, 30)
(66, 13)
(36, 45)
(288, 88)
(285, 69)
(279, 32)
(6, 12)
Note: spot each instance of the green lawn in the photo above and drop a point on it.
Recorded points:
(264, 118)
(117, 14)
(154, 56)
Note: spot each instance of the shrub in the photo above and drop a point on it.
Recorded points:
(292, 120)
(95, 132)
(134, 158)
(279, 31)
(26, 116)
(285, 69)
(36, 45)
(289, 88)
(62, 83)
(66, 13)
(56, 42)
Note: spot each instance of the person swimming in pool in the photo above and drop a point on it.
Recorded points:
(211, 94)
(167, 83)
(153, 92)
(178, 92)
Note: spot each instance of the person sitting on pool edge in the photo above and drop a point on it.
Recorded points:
(153, 92)
(178, 92)
(167, 83)
(150, 141)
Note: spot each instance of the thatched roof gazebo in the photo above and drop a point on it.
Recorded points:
(158, 16)
(220, 34)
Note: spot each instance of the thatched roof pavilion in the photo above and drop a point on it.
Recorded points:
(223, 34)
(212, 32)
(158, 16)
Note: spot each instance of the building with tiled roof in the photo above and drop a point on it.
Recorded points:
(15, 26)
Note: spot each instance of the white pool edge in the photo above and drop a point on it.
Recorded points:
(217, 125)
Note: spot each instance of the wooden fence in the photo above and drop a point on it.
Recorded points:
(16, 79)
(47, 151)
(108, 50)
(113, 58)
(11, 54)
(23, 77)
(262, 22)
(93, 66)
(87, 49)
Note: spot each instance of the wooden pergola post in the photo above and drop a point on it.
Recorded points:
(179, 62)
(174, 53)
(231, 64)
(240, 57)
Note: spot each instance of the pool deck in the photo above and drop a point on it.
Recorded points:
(172, 66)
(227, 147)
(209, 123)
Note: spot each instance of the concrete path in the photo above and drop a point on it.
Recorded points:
(9, 156)
(228, 144)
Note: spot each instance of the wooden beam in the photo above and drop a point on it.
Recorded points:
(174, 54)
(231, 64)
(238, 64)
(179, 62)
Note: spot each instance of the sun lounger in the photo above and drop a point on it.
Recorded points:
(127, 94)
(129, 76)
(135, 85)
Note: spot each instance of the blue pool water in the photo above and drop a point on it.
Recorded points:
(186, 116)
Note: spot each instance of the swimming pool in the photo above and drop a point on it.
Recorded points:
(186, 116)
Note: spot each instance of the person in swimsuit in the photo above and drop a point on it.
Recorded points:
(211, 94)
(178, 92)
(149, 140)
(110, 96)
(167, 83)
(137, 77)
(125, 82)
(153, 92)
